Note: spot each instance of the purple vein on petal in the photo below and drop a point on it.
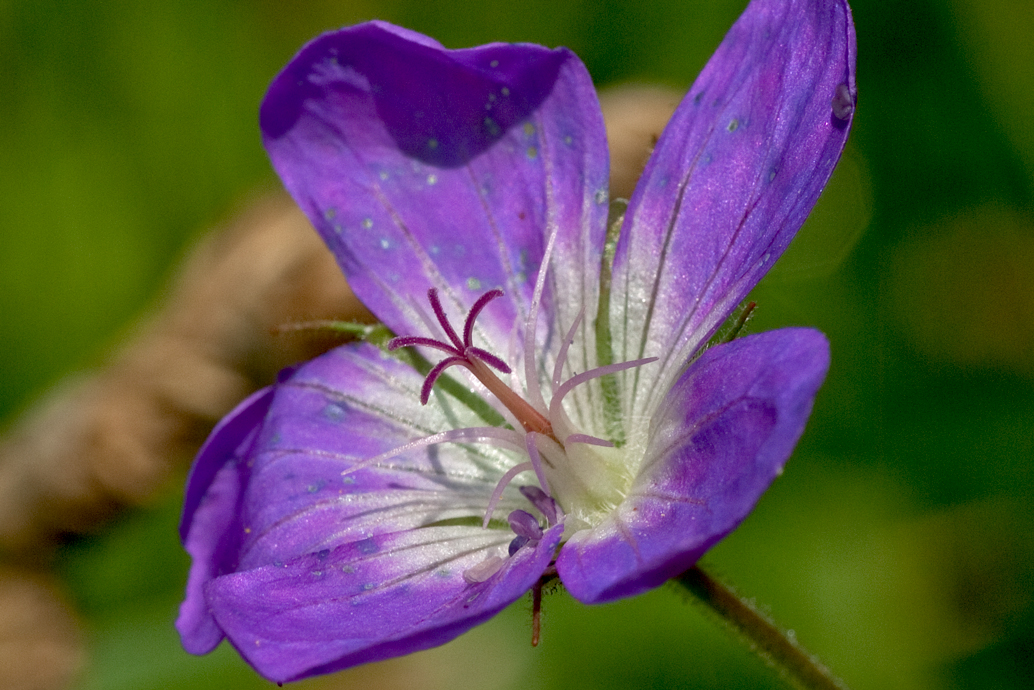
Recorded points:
(359, 521)
(385, 414)
(434, 565)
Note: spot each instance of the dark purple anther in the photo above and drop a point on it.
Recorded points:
(517, 544)
(542, 502)
(524, 524)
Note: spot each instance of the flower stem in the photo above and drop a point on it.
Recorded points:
(777, 648)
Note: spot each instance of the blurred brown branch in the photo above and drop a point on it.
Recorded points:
(111, 439)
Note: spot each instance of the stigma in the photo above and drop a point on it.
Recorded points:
(479, 362)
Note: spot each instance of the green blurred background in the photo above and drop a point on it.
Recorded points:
(896, 546)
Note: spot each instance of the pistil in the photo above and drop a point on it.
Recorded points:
(477, 361)
(529, 418)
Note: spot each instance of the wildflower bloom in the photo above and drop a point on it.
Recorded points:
(561, 408)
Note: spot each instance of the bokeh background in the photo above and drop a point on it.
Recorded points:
(897, 545)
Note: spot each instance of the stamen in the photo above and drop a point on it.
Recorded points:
(590, 440)
(492, 435)
(500, 487)
(579, 379)
(542, 502)
(531, 379)
(536, 461)
(524, 524)
(516, 544)
(492, 564)
(527, 529)
(561, 357)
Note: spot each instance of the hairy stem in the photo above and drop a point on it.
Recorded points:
(778, 648)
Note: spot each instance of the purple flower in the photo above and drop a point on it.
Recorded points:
(573, 416)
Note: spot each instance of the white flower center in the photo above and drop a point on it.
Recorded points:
(585, 475)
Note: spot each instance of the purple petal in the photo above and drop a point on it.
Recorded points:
(365, 601)
(731, 180)
(721, 436)
(310, 487)
(210, 529)
(425, 167)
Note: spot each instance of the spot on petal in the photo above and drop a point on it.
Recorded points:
(334, 413)
(733, 125)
